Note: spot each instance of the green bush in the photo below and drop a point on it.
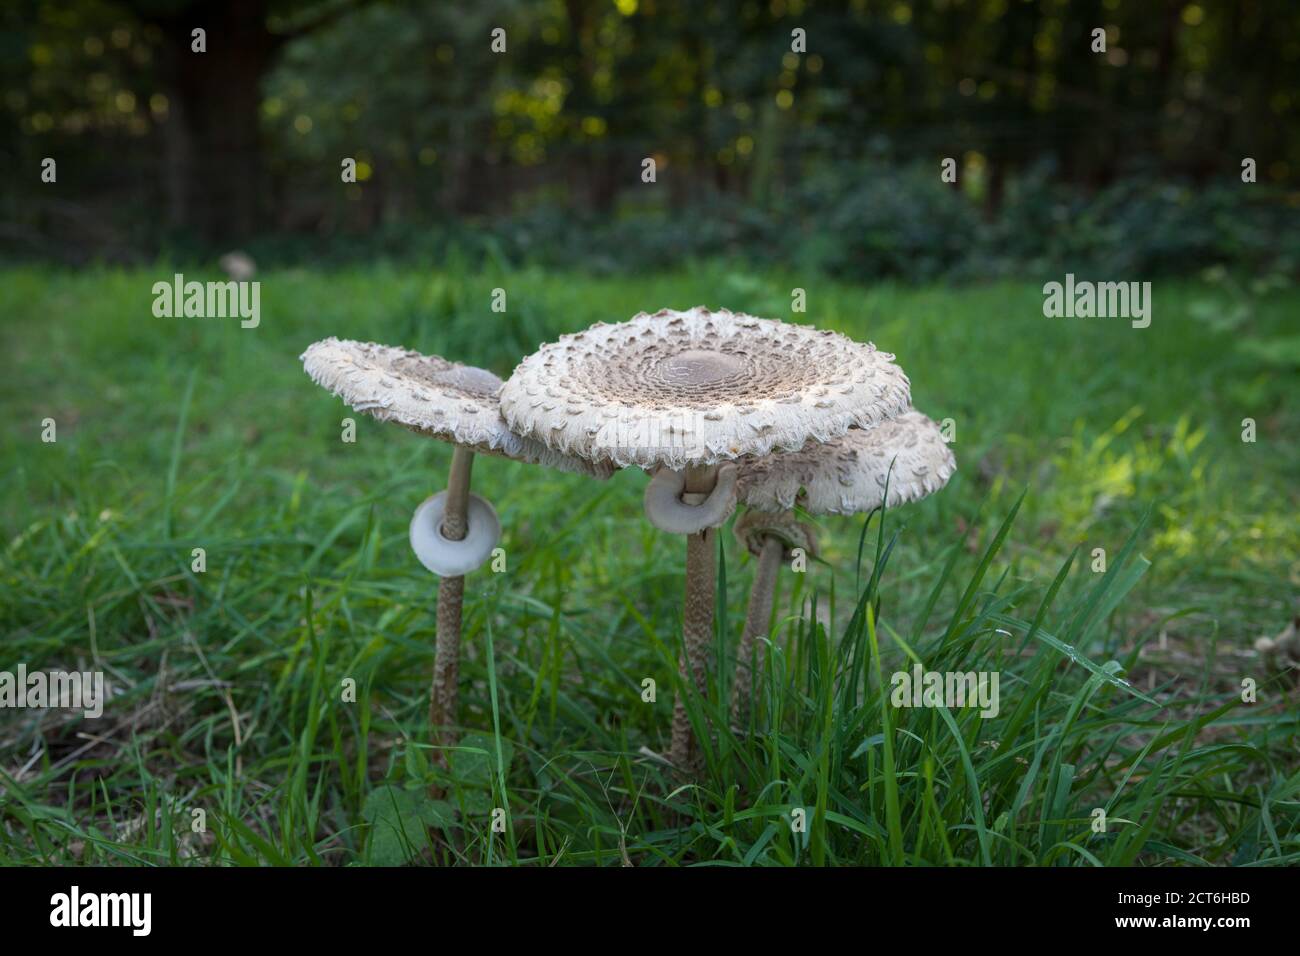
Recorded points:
(865, 222)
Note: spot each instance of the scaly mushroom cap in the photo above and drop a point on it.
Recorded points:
(429, 395)
(697, 388)
(753, 526)
(847, 475)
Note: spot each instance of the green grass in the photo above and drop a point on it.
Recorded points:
(1071, 435)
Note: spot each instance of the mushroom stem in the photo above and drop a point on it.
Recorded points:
(757, 619)
(451, 593)
(697, 621)
(454, 517)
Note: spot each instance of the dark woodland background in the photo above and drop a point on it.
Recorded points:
(1128, 161)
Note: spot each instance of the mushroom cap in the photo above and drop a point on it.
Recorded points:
(753, 526)
(429, 395)
(698, 388)
(847, 475)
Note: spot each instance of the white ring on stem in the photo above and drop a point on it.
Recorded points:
(447, 558)
(667, 510)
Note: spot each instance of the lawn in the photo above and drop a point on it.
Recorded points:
(231, 736)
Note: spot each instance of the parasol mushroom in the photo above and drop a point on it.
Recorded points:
(453, 532)
(683, 394)
(845, 476)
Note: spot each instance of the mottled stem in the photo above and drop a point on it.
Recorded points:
(757, 619)
(451, 593)
(697, 621)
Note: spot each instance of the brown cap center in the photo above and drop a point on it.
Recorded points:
(695, 367)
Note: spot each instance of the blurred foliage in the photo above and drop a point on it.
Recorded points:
(861, 222)
(1128, 159)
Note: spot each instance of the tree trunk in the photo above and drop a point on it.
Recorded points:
(214, 156)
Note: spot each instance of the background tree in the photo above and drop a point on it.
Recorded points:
(159, 145)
